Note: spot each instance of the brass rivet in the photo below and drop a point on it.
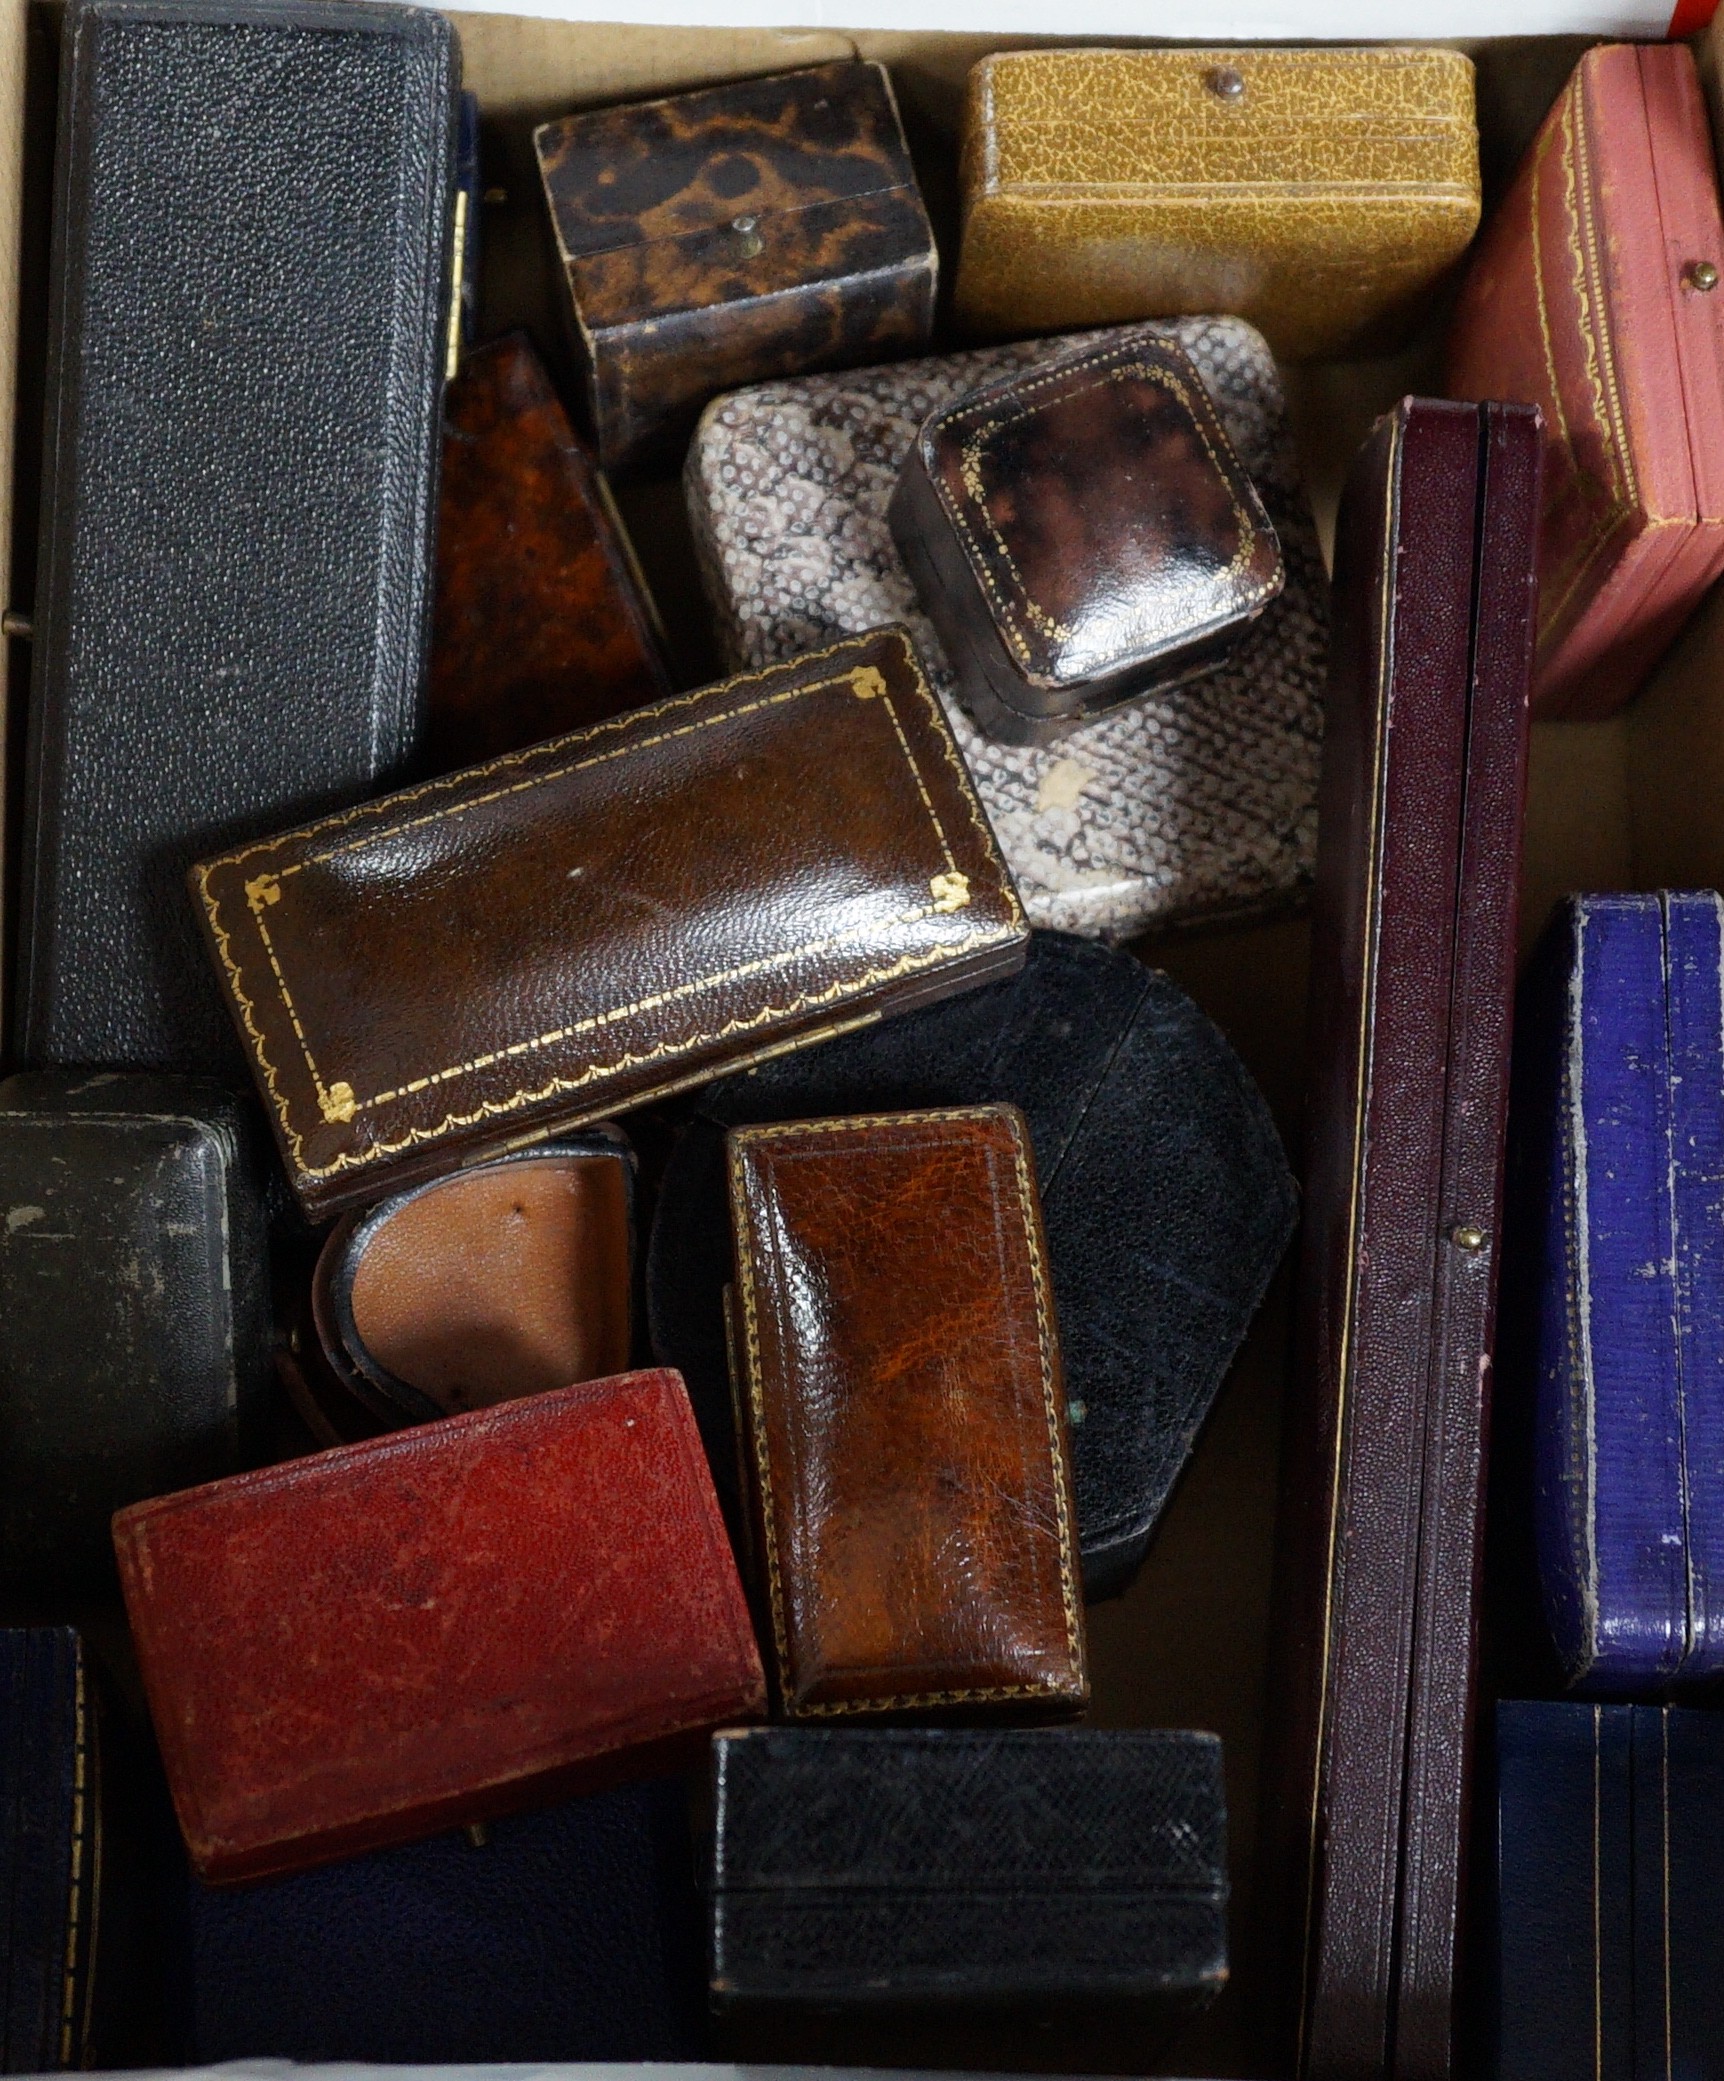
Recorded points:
(496, 197)
(1225, 83)
(748, 230)
(1466, 1237)
(1701, 275)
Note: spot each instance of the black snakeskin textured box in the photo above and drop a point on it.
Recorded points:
(908, 1879)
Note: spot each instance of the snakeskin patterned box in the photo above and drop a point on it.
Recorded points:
(1190, 805)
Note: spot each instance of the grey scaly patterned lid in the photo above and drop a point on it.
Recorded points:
(1186, 805)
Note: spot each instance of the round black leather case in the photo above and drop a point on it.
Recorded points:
(1166, 1197)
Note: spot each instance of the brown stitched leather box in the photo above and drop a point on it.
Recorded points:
(568, 931)
(542, 622)
(760, 228)
(905, 1415)
(1082, 533)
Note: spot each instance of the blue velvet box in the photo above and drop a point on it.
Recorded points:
(572, 1934)
(1606, 1943)
(49, 1863)
(1613, 1361)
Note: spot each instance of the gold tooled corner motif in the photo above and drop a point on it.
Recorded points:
(950, 891)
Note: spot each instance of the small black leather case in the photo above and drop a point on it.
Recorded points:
(134, 1299)
(247, 335)
(876, 1886)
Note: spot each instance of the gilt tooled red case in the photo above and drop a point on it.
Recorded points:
(1411, 993)
(1594, 295)
(463, 1619)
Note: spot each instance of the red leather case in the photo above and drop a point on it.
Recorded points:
(1411, 990)
(1586, 298)
(437, 1627)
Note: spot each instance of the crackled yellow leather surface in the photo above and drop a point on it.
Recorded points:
(1317, 193)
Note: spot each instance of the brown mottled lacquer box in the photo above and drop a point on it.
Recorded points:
(762, 228)
(542, 623)
(1083, 533)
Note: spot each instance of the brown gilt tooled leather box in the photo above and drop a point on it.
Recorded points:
(1082, 533)
(759, 228)
(905, 1415)
(623, 912)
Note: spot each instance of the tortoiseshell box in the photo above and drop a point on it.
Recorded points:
(761, 228)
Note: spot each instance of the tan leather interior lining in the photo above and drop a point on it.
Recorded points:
(501, 1282)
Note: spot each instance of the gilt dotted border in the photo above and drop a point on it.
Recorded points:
(1113, 369)
(741, 1141)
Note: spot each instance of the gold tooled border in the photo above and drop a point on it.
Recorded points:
(83, 1803)
(740, 1141)
(1204, 418)
(949, 894)
(1621, 496)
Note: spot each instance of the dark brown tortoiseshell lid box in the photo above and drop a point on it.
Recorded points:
(757, 229)
(1081, 534)
(542, 624)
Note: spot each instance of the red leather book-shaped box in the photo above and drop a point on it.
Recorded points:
(1412, 977)
(438, 1627)
(1596, 294)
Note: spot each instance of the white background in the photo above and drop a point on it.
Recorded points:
(1213, 21)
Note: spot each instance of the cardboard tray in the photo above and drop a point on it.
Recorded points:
(1635, 802)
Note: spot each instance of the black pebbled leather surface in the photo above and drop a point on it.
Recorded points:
(249, 277)
(856, 1866)
(1165, 1191)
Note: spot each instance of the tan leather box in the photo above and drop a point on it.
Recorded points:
(1318, 193)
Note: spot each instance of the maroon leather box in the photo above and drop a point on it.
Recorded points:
(460, 1620)
(1412, 978)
